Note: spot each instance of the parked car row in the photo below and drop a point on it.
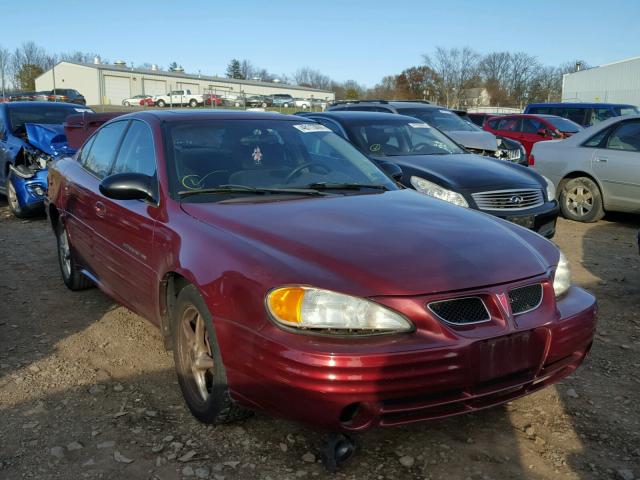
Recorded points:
(186, 98)
(67, 95)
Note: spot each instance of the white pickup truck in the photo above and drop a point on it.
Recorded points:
(178, 97)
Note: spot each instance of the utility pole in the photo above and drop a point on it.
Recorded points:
(53, 74)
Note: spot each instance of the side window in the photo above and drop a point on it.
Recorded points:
(85, 149)
(597, 139)
(575, 114)
(600, 115)
(103, 149)
(493, 124)
(540, 110)
(626, 137)
(137, 154)
(531, 125)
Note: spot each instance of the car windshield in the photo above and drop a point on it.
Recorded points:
(564, 125)
(442, 119)
(264, 154)
(400, 137)
(54, 114)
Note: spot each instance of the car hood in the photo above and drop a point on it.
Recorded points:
(478, 140)
(392, 243)
(467, 172)
(49, 138)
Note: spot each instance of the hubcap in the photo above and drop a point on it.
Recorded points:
(65, 253)
(11, 195)
(579, 200)
(197, 351)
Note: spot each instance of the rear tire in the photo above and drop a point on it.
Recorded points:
(264, 105)
(581, 200)
(71, 275)
(127, 104)
(199, 366)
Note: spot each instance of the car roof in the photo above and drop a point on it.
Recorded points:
(347, 115)
(210, 114)
(579, 104)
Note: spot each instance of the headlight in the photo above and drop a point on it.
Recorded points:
(562, 279)
(435, 190)
(331, 312)
(551, 189)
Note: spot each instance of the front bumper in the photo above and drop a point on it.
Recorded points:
(27, 190)
(355, 384)
(541, 219)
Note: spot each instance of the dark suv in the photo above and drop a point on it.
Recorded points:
(282, 100)
(68, 95)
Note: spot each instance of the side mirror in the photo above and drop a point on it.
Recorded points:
(393, 170)
(128, 186)
(543, 132)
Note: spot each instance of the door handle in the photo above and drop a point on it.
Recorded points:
(100, 209)
(602, 159)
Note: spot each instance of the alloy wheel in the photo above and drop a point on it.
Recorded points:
(64, 252)
(196, 351)
(579, 200)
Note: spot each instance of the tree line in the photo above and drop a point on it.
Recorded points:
(447, 76)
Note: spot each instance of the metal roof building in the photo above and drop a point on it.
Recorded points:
(106, 84)
(617, 82)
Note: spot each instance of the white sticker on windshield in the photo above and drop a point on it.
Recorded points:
(446, 111)
(419, 125)
(82, 110)
(311, 127)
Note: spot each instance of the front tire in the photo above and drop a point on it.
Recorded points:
(581, 200)
(193, 103)
(162, 103)
(71, 275)
(201, 373)
(264, 105)
(12, 199)
(127, 104)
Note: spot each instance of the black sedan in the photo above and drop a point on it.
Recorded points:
(435, 165)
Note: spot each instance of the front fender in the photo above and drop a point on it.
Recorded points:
(30, 191)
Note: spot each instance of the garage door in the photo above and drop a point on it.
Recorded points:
(194, 87)
(116, 89)
(154, 87)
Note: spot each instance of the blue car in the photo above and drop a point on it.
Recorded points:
(31, 135)
(585, 114)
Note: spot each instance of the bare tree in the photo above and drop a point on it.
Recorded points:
(5, 57)
(247, 69)
(27, 60)
(79, 57)
(308, 77)
(455, 71)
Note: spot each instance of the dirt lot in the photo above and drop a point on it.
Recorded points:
(87, 391)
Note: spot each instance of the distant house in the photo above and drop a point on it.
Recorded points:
(475, 97)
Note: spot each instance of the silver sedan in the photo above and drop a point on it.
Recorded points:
(595, 170)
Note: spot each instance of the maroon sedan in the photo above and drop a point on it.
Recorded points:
(291, 275)
(530, 129)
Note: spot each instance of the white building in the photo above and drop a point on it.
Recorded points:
(617, 82)
(103, 84)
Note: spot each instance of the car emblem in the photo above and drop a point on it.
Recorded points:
(516, 199)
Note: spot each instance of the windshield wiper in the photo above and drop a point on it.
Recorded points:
(344, 186)
(247, 189)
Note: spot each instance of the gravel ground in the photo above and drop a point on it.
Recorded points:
(87, 391)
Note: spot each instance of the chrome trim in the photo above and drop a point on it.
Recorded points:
(531, 309)
(484, 199)
(460, 298)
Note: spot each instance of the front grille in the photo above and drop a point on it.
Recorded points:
(509, 199)
(513, 155)
(525, 299)
(461, 310)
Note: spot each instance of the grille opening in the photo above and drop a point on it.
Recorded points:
(461, 311)
(508, 199)
(524, 299)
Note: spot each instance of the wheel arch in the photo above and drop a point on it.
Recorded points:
(170, 286)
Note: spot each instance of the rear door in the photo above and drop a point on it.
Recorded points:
(530, 133)
(128, 225)
(617, 166)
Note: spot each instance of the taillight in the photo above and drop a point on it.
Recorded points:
(532, 161)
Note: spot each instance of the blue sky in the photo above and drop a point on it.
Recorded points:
(349, 39)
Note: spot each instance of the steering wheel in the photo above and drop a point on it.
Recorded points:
(310, 165)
